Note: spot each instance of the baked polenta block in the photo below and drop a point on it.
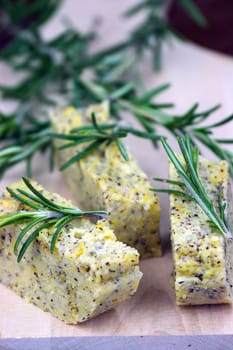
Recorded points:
(88, 273)
(203, 257)
(105, 180)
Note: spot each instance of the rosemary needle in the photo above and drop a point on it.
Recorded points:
(96, 135)
(44, 214)
(190, 185)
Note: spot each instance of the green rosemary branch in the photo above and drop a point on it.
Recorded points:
(154, 30)
(59, 61)
(149, 35)
(23, 142)
(8, 125)
(44, 214)
(150, 115)
(124, 97)
(38, 136)
(190, 123)
(190, 185)
(97, 135)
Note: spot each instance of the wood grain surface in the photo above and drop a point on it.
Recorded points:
(196, 75)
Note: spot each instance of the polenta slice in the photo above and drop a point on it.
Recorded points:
(203, 257)
(105, 180)
(88, 273)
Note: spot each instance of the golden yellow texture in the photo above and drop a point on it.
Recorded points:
(104, 180)
(203, 258)
(89, 272)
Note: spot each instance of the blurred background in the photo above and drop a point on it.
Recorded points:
(216, 35)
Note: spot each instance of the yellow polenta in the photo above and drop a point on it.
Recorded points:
(105, 180)
(203, 258)
(89, 272)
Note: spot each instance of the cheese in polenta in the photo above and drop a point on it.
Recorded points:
(105, 180)
(88, 273)
(203, 257)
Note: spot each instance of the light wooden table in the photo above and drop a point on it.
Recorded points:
(196, 75)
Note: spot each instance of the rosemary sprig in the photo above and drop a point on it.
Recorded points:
(190, 123)
(150, 115)
(59, 61)
(38, 137)
(190, 185)
(22, 142)
(43, 214)
(97, 135)
(153, 32)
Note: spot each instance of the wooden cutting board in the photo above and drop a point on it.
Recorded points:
(196, 75)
